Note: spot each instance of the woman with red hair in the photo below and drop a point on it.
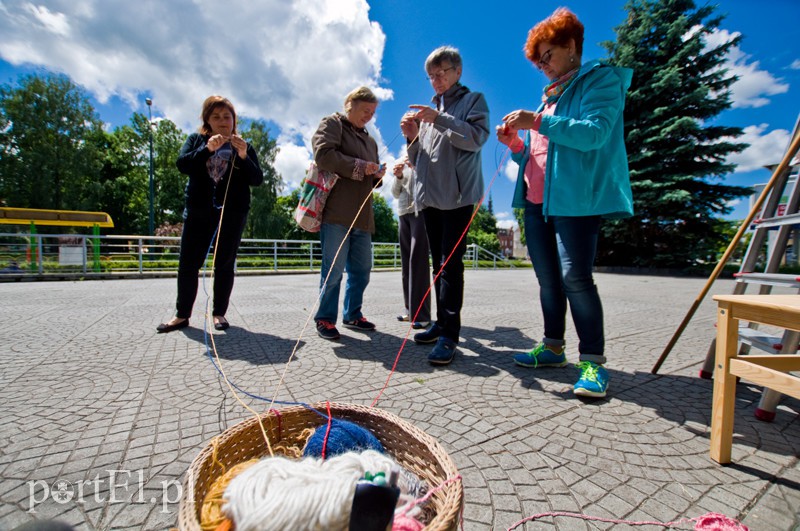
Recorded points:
(573, 172)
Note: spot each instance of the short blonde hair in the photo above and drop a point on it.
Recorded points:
(359, 94)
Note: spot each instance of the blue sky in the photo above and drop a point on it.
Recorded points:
(291, 63)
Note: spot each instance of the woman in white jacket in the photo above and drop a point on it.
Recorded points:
(414, 252)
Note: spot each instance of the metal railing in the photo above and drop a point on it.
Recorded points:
(78, 255)
(480, 257)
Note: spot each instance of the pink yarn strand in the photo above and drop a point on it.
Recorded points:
(707, 522)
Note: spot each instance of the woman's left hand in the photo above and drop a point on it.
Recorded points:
(521, 119)
(240, 145)
(375, 169)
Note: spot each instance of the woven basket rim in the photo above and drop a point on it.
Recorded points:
(408, 444)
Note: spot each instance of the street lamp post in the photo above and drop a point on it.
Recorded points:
(151, 225)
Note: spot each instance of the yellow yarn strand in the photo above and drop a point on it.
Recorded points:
(210, 319)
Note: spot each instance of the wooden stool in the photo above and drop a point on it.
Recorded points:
(771, 371)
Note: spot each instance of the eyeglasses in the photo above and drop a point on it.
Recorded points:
(545, 58)
(440, 74)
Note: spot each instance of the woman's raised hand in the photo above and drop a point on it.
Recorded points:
(240, 145)
(216, 142)
(520, 119)
(505, 134)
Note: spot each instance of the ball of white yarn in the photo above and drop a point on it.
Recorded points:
(309, 494)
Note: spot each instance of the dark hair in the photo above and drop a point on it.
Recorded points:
(557, 29)
(212, 103)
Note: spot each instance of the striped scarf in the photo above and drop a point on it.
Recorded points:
(555, 89)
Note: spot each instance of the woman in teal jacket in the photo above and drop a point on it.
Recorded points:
(573, 172)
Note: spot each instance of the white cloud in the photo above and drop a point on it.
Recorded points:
(505, 220)
(292, 162)
(53, 22)
(288, 62)
(754, 85)
(765, 149)
(510, 170)
(795, 64)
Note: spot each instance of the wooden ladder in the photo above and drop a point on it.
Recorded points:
(784, 222)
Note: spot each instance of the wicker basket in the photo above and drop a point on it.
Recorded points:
(412, 448)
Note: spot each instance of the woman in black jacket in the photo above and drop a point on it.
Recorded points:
(221, 167)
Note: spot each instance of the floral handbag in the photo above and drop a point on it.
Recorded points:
(314, 191)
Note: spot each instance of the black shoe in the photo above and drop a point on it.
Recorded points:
(420, 325)
(163, 328)
(428, 336)
(327, 330)
(359, 324)
(220, 323)
(444, 351)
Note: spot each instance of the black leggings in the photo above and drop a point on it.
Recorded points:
(197, 237)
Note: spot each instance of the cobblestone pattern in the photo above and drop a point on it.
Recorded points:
(101, 416)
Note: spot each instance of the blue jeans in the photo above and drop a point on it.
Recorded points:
(355, 257)
(563, 250)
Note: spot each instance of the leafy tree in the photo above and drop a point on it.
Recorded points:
(284, 212)
(385, 224)
(264, 220)
(519, 215)
(48, 143)
(483, 231)
(170, 183)
(121, 186)
(676, 152)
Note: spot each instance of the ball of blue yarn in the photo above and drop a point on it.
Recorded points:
(345, 436)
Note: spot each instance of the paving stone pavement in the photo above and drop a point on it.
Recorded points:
(101, 416)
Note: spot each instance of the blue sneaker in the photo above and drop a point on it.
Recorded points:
(541, 356)
(444, 351)
(593, 381)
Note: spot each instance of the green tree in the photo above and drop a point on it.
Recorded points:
(123, 186)
(265, 220)
(483, 231)
(676, 153)
(170, 183)
(385, 224)
(284, 212)
(519, 215)
(48, 143)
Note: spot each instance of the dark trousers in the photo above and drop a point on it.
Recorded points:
(196, 241)
(414, 256)
(444, 228)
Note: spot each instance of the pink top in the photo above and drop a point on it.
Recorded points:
(534, 170)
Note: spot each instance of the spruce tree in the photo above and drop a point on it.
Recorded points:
(676, 152)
